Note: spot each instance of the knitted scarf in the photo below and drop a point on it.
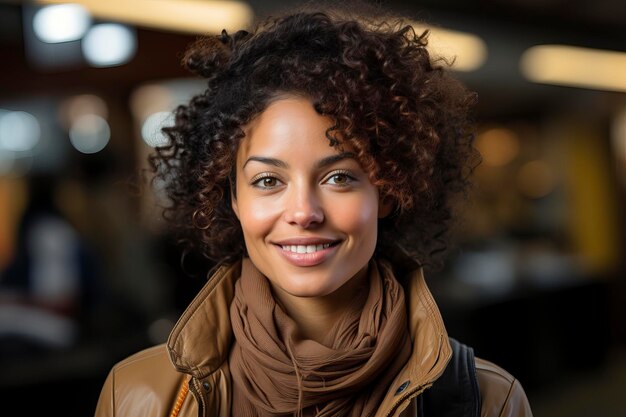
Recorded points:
(277, 374)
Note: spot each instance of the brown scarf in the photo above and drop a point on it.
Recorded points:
(277, 374)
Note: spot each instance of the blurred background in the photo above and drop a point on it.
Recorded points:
(535, 280)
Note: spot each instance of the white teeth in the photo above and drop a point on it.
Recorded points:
(305, 248)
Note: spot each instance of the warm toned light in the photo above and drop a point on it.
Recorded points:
(152, 106)
(618, 139)
(192, 16)
(575, 67)
(498, 146)
(150, 99)
(468, 51)
(618, 134)
(74, 107)
(536, 179)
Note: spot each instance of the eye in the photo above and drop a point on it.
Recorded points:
(340, 178)
(266, 182)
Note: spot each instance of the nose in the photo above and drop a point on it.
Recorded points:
(303, 208)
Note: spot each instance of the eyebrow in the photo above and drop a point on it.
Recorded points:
(329, 160)
(268, 161)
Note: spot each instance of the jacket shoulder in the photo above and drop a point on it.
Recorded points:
(155, 355)
(143, 384)
(501, 394)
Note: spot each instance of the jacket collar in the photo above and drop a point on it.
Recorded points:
(201, 339)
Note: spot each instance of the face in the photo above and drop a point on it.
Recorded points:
(308, 211)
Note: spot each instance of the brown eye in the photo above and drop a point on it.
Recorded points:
(266, 182)
(269, 182)
(340, 179)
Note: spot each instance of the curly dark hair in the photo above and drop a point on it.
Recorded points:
(400, 110)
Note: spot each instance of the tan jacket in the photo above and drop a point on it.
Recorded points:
(146, 384)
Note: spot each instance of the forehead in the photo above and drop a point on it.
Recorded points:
(287, 126)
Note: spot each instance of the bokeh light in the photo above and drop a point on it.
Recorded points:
(498, 146)
(151, 128)
(536, 179)
(19, 131)
(109, 44)
(61, 23)
(80, 105)
(90, 133)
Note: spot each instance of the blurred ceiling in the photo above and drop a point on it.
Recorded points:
(597, 17)
(508, 27)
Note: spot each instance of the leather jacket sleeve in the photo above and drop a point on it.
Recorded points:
(142, 385)
(501, 394)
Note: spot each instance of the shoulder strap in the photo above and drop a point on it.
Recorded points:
(455, 393)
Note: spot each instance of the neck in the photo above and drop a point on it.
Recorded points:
(316, 316)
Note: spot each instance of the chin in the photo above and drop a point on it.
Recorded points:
(306, 290)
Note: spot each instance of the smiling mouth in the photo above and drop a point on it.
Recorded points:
(309, 254)
(305, 248)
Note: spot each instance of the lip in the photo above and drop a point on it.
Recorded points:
(305, 241)
(307, 259)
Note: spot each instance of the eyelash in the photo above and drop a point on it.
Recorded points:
(349, 177)
(266, 175)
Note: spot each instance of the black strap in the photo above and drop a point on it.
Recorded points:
(455, 393)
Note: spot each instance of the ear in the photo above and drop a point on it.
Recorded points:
(385, 206)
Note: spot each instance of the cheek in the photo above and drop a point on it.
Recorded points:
(257, 217)
(357, 215)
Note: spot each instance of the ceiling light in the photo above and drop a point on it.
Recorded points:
(191, 16)
(468, 51)
(575, 66)
(61, 23)
(109, 44)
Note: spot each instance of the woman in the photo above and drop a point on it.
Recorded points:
(316, 172)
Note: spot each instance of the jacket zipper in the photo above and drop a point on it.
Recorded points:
(196, 389)
(180, 399)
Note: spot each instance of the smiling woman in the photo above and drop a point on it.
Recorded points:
(307, 210)
(295, 195)
(316, 173)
